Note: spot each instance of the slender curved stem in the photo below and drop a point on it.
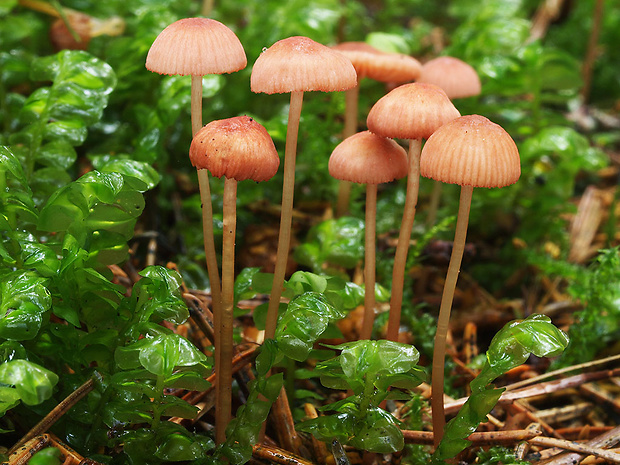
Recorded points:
(402, 248)
(369, 261)
(350, 128)
(286, 216)
(209, 242)
(223, 391)
(439, 352)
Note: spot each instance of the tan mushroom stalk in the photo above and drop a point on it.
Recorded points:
(372, 63)
(414, 112)
(473, 152)
(367, 158)
(458, 80)
(197, 47)
(238, 149)
(295, 65)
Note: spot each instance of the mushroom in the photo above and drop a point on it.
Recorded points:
(196, 47)
(473, 152)
(372, 63)
(238, 149)
(295, 65)
(458, 80)
(411, 111)
(369, 159)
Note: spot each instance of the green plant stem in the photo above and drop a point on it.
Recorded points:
(350, 128)
(223, 392)
(369, 388)
(439, 352)
(369, 261)
(404, 236)
(158, 401)
(286, 216)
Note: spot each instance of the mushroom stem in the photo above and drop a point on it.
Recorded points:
(402, 248)
(439, 352)
(350, 128)
(196, 104)
(225, 326)
(369, 261)
(288, 191)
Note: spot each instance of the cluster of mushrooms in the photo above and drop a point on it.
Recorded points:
(467, 150)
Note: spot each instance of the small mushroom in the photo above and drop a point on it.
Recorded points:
(296, 65)
(367, 158)
(414, 112)
(238, 149)
(473, 152)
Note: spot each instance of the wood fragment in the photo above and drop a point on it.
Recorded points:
(582, 449)
(478, 439)
(276, 455)
(604, 441)
(55, 414)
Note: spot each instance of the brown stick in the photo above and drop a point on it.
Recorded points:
(582, 449)
(276, 455)
(478, 439)
(54, 415)
(605, 440)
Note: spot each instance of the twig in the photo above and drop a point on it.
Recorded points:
(478, 439)
(605, 440)
(277, 455)
(54, 415)
(551, 374)
(542, 388)
(583, 449)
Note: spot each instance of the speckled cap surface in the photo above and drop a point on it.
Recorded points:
(239, 148)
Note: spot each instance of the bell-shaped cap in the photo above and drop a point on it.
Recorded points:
(411, 111)
(381, 66)
(471, 151)
(299, 64)
(454, 76)
(368, 158)
(197, 47)
(238, 148)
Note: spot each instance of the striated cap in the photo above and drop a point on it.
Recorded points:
(368, 158)
(454, 76)
(380, 66)
(299, 64)
(196, 46)
(411, 111)
(472, 151)
(238, 148)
